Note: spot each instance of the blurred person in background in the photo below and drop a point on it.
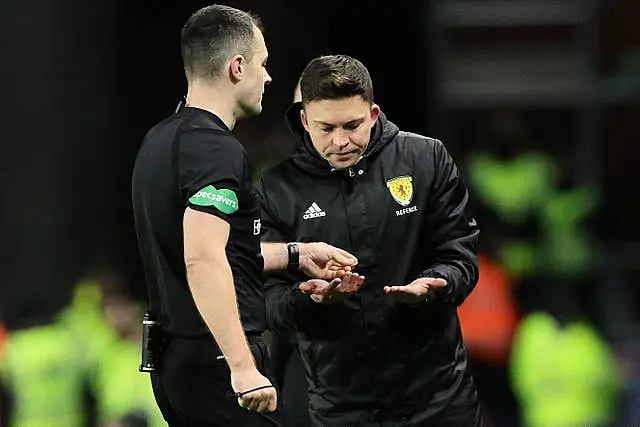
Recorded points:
(84, 318)
(124, 398)
(563, 372)
(389, 352)
(42, 372)
(536, 222)
(511, 178)
(489, 318)
(198, 224)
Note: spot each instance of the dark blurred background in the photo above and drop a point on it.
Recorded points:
(538, 101)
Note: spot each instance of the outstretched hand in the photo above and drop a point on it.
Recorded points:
(323, 261)
(335, 291)
(416, 291)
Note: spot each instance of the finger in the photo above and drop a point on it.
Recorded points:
(263, 403)
(345, 284)
(343, 257)
(332, 274)
(344, 288)
(242, 402)
(313, 270)
(395, 289)
(307, 287)
(331, 266)
(436, 282)
(259, 400)
(332, 286)
(253, 405)
(352, 284)
(249, 402)
(313, 286)
(407, 291)
(273, 402)
(339, 272)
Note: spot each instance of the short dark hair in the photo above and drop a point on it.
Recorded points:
(213, 34)
(335, 77)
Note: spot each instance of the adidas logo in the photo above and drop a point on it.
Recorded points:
(313, 211)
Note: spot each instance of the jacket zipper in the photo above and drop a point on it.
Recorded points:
(343, 184)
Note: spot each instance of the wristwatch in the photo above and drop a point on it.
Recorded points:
(294, 256)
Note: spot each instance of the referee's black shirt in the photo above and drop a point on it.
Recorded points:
(192, 159)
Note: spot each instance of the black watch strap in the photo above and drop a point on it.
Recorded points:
(294, 256)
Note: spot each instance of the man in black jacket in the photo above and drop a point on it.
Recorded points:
(391, 352)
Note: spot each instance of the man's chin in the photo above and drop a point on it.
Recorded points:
(343, 164)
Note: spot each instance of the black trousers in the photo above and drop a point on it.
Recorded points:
(193, 388)
(295, 400)
(288, 369)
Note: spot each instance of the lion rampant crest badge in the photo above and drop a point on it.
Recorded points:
(401, 189)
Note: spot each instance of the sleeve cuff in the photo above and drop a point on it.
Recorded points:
(305, 308)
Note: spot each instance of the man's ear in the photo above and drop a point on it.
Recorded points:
(303, 119)
(236, 68)
(375, 113)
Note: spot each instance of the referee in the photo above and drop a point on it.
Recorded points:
(198, 225)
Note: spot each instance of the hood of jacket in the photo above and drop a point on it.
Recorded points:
(307, 157)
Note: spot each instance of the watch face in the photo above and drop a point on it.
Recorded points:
(294, 256)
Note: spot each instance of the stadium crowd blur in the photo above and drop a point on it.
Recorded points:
(552, 328)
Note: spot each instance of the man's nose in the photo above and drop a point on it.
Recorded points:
(340, 138)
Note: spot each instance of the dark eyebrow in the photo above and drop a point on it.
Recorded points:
(350, 122)
(323, 123)
(355, 121)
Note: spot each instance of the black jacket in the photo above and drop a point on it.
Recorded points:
(372, 360)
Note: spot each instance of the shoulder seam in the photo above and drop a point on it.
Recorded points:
(421, 137)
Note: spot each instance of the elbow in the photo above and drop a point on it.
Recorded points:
(470, 280)
(474, 274)
(470, 277)
(193, 263)
(196, 260)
